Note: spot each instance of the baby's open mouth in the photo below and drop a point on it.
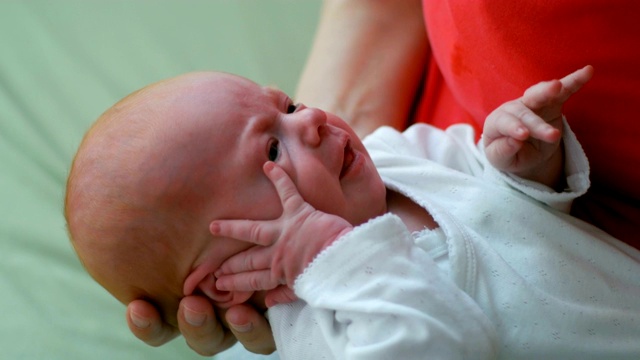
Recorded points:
(347, 159)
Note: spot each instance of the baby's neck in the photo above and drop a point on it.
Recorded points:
(414, 216)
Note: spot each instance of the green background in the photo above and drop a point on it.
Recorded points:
(62, 63)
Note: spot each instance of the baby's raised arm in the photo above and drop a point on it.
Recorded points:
(285, 245)
(523, 136)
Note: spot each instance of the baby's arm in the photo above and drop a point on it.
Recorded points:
(371, 282)
(285, 245)
(523, 136)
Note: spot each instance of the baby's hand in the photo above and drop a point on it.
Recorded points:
(523, 136)
(285, 246)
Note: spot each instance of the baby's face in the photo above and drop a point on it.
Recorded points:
(247, 125)
(169, 159)
(216, 131)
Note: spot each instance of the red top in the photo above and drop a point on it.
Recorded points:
(485, 52)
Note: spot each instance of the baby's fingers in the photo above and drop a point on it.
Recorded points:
(556, 92)
(247, 281)
(253, 259)
(519, 122)
(536, 127)
(289, 195)
(543, 94)
(505, 124)
(280, 295)
(576, 80)
(516, 121)
(502, 151)
(256, 232)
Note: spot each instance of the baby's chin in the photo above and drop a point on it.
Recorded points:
(367, 212)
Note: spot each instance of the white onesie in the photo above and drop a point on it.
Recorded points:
(508, 274)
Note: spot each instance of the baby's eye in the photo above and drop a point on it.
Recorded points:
(273, 150)
(291, 108)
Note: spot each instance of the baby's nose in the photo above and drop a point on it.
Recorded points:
(311, 123)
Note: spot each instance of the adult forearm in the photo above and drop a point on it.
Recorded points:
(366, 62)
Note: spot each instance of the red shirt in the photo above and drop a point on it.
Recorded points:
(486, 52)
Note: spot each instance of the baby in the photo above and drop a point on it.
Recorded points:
(420, 243)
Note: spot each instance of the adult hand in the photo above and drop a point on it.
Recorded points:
(200, 327)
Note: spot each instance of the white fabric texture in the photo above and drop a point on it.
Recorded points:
(507, 275)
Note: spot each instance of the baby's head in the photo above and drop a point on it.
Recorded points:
(161, 164)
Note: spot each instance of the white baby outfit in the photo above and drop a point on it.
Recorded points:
(508, 274)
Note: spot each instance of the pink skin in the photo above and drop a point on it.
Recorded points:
(248, 125)
(522, 136)
(280, 256)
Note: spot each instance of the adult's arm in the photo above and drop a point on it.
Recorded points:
(367, 62)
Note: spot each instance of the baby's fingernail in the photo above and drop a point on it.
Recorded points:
(194, 318)
(221, 286)
(242, 328)
(269, 166)
(139, 321)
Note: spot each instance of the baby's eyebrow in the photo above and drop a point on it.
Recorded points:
(274, 90)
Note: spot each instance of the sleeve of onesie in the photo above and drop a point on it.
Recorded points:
(576, 171)
(456, 149)
(387, 299)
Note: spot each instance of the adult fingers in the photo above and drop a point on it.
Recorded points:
(200, 327)
(146, 324)
(251, 328)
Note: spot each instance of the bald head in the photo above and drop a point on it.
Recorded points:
(140, 189)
